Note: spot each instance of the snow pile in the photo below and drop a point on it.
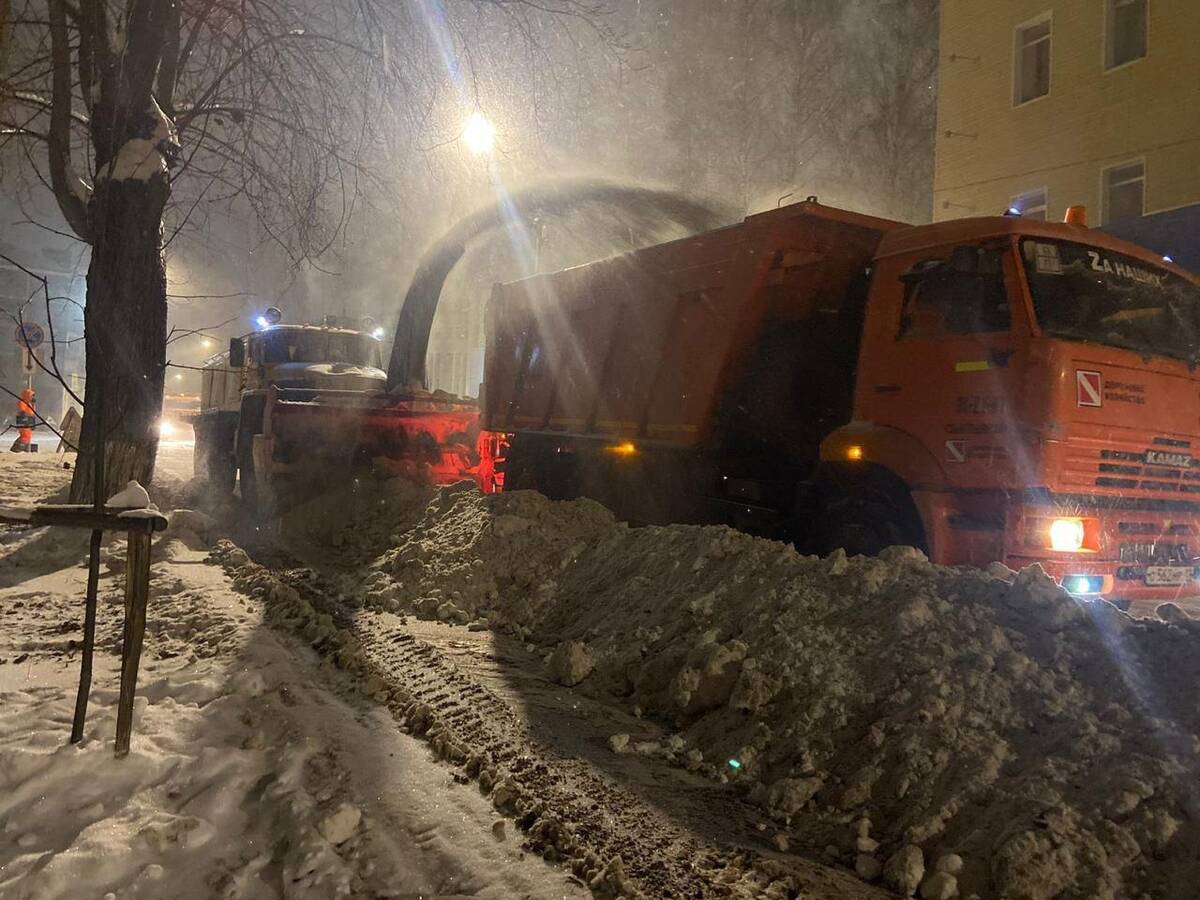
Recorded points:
(951, 732)
(215, 798)
(358, 519)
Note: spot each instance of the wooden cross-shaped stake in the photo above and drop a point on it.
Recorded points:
(140, 526)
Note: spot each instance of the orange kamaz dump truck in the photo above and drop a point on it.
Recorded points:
(984, 389)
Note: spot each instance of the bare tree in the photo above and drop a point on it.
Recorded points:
(888, 80)
(147, 110)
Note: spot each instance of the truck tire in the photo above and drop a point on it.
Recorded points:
(248, 483)
(540, 468)
(861, 527)
(213, 459)
(865, 522)
(519, 474)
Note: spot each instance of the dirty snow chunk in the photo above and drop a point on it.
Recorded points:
(340, 825)
(902, 554)
(950, 863)
(448, 612)
(867, 867)
(570, 663)
(618, 743)
(191, 521)
(904, 869)
(939, 886)
(787, 796)
(1170, 612)
(132, 496)
(1001, 571)
(864, 844)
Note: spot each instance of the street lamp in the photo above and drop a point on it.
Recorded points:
(479, 134)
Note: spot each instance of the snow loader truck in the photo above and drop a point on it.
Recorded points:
(293, 410)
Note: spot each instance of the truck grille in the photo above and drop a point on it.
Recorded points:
(1157, 466)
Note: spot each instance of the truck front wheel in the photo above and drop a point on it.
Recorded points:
(865, 520)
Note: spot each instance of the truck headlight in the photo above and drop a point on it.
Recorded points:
(1066, 534)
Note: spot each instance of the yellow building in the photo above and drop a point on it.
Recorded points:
(1044, 104)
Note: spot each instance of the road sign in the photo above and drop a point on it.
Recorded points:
(29, 335)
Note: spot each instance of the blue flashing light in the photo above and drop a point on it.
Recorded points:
(262, 322)
(1168, 259)
(1012, 211)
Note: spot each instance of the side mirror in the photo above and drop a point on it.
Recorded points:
(237, 353)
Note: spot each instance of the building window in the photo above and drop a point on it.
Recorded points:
(1031, 204)
(1031, 66)
(1124, 189)
(1124, 32)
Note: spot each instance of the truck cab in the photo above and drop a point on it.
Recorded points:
(235, 385)
(985, 389)
(1034, 388)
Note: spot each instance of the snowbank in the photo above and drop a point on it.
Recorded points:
(947, 730)
(253, 773)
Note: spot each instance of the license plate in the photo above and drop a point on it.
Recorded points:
(1159, 575)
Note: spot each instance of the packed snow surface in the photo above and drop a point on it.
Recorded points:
(946, 731)
(254, 771)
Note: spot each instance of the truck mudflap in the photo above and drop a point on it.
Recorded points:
(427, 436)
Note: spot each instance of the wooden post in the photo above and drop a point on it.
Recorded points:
(89, 638)
(140, 525)
(137, 592)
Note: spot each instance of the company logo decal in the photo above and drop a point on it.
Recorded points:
(1089, 388)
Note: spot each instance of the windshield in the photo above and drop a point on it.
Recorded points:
(1093, 295)
(293, 345)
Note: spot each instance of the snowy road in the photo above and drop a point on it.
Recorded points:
(255, 772)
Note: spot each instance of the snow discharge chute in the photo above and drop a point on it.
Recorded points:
(555, 197)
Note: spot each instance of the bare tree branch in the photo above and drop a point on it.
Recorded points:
(69, 190)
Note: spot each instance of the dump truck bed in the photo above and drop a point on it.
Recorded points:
(642, 345)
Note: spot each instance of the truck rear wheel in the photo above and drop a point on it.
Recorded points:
(213, 459)
(544, 469)
(246, 476)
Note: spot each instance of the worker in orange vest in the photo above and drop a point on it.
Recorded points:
(26, 419)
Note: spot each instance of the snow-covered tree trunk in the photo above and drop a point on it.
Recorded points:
(126, 314)
(126, 332)
(126, 70)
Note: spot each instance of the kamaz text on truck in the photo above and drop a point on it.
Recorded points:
(984, 389)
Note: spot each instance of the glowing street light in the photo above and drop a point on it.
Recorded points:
(479, 134)
(206, 344)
